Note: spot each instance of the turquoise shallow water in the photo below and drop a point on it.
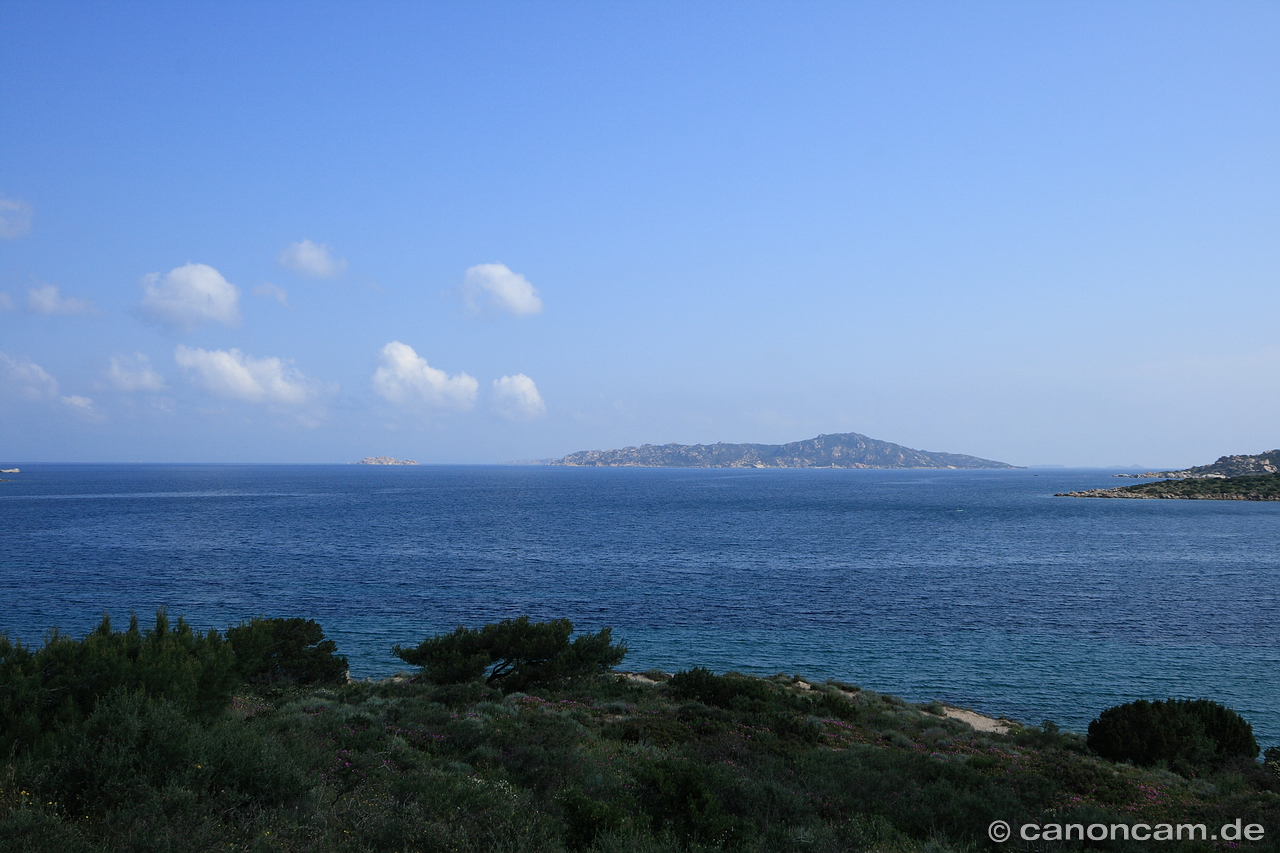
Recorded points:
(976, 587)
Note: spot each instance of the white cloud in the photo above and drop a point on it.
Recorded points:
(267, 290)
(133, 373)
(516, 397)
(6, 304)
(15, 218)
(495, 287)
(31, 380)
(78, 402)
(311, 259)
(47, 300)
(82, 406)
(405, 377)
(190, 295)
(34, 383)
(234, 375)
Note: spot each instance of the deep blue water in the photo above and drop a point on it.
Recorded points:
(974, 587)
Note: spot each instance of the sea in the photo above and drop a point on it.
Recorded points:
(977, 588)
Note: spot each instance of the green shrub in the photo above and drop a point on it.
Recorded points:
(132, 745)
(1271, 759)
(1189, 735)
(585, 818)
(60, 684)
(274, 651)
(683, 798)
(518, 654)
(722, 691)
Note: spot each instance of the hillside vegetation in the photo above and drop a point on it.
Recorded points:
(166, 739)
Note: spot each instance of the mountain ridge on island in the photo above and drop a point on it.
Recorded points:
(842, 450)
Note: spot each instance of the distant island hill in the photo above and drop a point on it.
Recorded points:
(1231, 478)
(843, 450)
(385, 460)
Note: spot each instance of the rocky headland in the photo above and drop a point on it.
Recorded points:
(1243, 465)
(844, 450)
(385, 460)
(1260, 488)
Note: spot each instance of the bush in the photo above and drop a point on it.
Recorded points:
(133, 747)
(722, 691)
(274, 651)
(1190, 735)
(62, 682)
(683, 798)
(517, 654)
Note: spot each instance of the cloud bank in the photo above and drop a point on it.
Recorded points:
(311, 260)
(190, 295)
(517, 398)
(15, 218)
(497, 288)
(405, 377)
(235, 376)
(47, 300)
(133, 373)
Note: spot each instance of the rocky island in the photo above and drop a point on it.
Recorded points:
(385, 460)
(843, 450)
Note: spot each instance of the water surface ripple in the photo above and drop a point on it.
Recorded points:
(976, 587)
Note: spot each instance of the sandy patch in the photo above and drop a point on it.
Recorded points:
(637, 677)
(979, 722)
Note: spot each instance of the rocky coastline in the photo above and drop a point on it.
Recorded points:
(1122, 494)
(1242, 465)
(1265, 487)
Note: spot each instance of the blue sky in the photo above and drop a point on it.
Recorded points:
(1044, 233)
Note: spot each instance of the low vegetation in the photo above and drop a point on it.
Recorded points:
(1262, 487)
(514, 737)
(1191, 736)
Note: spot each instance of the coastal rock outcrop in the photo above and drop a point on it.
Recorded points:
(385, 460)
(1242, 465)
